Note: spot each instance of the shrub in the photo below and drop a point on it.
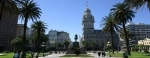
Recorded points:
(77, 51)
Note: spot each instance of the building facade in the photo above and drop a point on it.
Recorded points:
(98, 36)
(58, 37)
(20, 30)
(8, 26)
(140, 31)
(145, 42)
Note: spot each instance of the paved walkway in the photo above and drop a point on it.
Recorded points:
(57, 56)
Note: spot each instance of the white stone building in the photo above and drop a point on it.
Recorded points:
(98, 36)
(62, 36)
(52, 35)
(146, 41)
(58, 37)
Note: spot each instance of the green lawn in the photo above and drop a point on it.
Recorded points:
(133, 55)
(10, 55)
(73, 55)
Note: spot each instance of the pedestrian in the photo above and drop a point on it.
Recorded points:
(16, 55)
(99, 54)
(125, 54)
(36, 55)
(104, 53)
(32, 54)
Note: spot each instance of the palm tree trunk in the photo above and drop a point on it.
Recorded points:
(37, 40)
(2, 8)
(126, 39)
(24, 37)
(112, 41)
(24, 33)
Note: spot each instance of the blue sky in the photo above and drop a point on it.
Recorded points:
(66, 15)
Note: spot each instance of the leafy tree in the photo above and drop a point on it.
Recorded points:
(43, 38)
(17, 43)
(123, 14)
(84, 43)
(28, 10)
(135, 48)
(110, 27)
(39, 27)
(66, 43)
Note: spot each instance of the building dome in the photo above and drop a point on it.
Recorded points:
(87, 10)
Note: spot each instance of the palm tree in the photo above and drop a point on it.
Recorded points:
(10, 6)
(29, 10)
(38, 27)
(138, 3)
(123, 14)
(110, 27)
(122, 34)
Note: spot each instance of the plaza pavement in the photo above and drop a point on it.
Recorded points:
(57, 56)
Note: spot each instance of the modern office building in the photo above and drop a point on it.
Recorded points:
(140, 31)
(8, 26)
(98, 36)
(20, 30)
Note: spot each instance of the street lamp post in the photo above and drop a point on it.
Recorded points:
(43, 45)
(109, 44)
(130, 48)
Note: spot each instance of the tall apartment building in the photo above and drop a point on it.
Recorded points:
(140, 31)
(8, 26)
(20, 30)
(98, 36)
(58, 37)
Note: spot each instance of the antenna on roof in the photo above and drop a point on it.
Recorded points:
(87, 3)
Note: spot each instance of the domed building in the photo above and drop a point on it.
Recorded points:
(97, 36)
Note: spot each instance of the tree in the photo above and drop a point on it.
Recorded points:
(29, 10)
(122, 34)
(110, 27)
(40, 28)
(84, 43)
(138, 3)
(17, 43)
(66, 43)
(9, 6)
(43, 38)
(123, 14)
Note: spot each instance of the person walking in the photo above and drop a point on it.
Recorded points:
(125, 54)
(99, 54)
(16, 55)
(32, 54)
(36, 55)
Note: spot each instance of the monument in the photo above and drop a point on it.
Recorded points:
(75, 45)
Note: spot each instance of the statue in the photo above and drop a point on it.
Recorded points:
(75, 45)
(76, 37)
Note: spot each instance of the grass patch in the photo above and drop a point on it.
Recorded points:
(73, 55)
(133, 55)
(10, 55)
